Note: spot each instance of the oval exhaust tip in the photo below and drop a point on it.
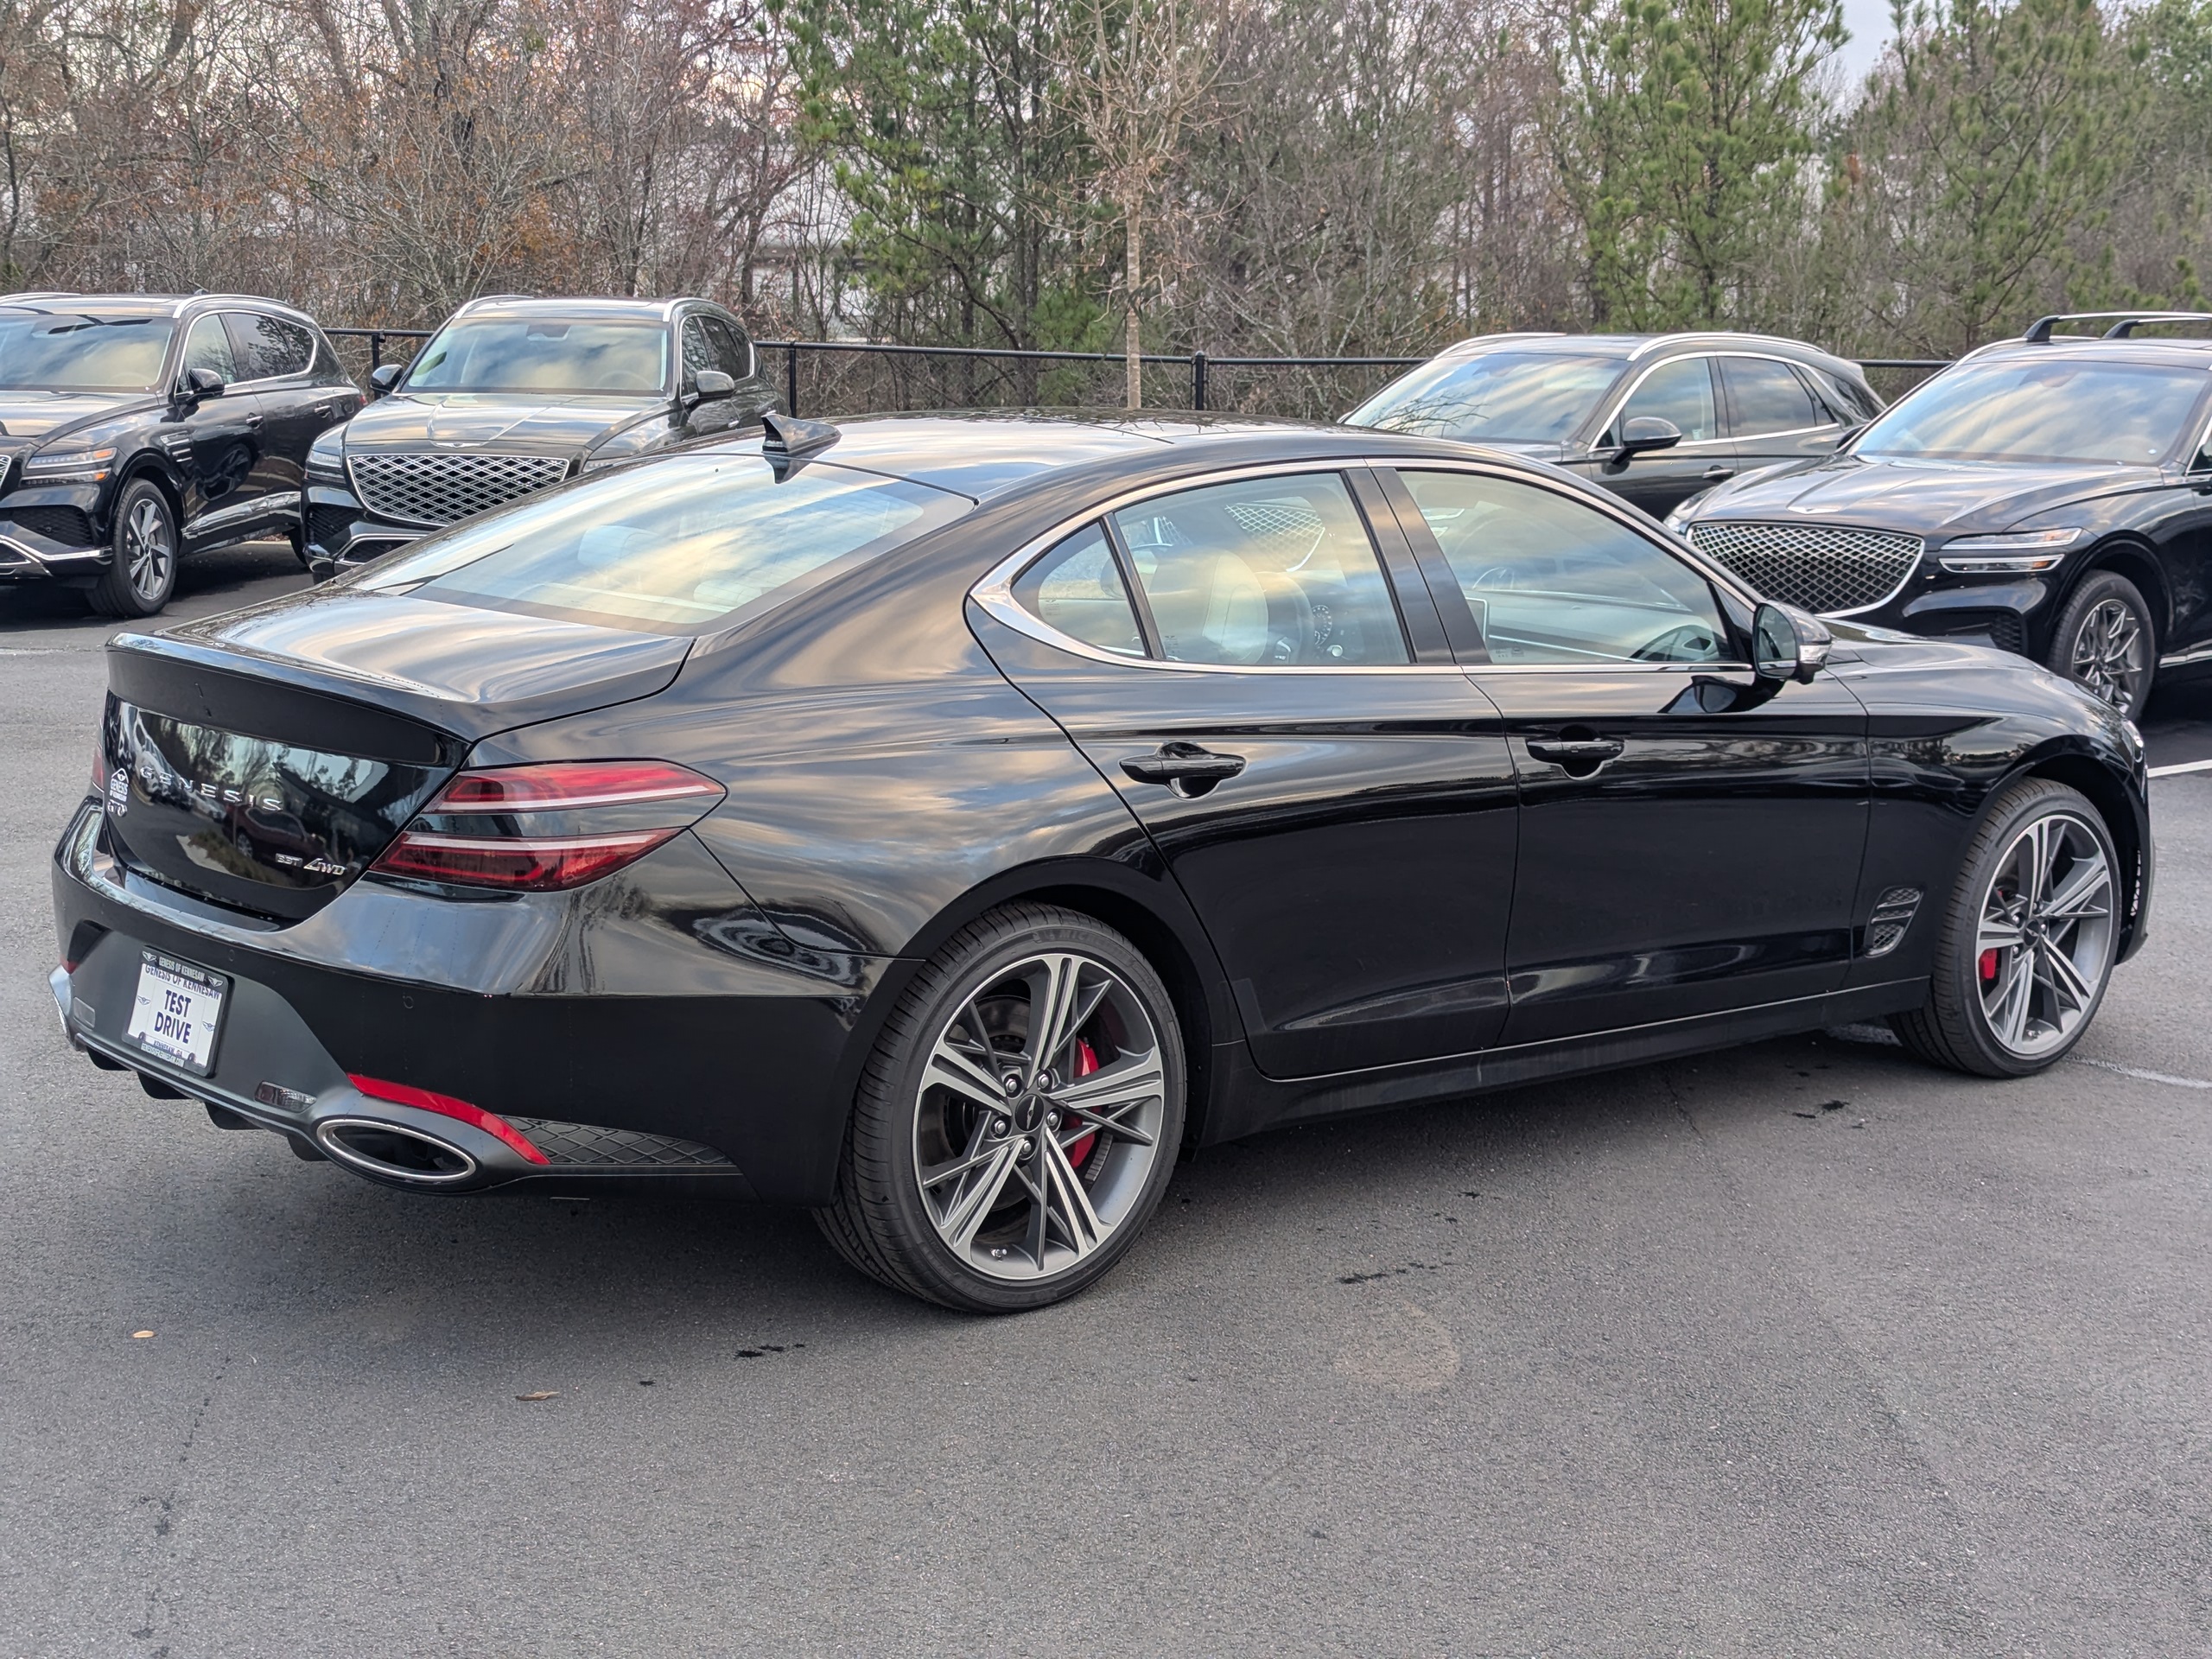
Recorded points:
(391, 1152)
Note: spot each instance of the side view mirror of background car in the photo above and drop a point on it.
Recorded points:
(384, 376)
(1643, 434)
(201, 383)
(1788, 644)
(711, 383)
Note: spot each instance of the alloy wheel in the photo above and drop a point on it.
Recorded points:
(1039, 1117)
(2045, 942)
(148, 550)
(2110, 652)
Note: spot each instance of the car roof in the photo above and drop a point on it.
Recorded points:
(1635, 347)
(2175, 351)
(145, 305)
(530, 305)
(987, 453)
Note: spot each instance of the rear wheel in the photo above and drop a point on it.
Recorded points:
(2105, 638)
(2028, 939)
(1019, 1120)
(141, 575)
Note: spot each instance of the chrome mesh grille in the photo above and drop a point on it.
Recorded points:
(431, 486)
(585, 1143)
(1825, 567)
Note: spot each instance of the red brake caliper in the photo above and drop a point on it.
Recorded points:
(1988, 966)
(1086, 1062)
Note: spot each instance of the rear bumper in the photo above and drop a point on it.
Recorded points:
(677, 1069)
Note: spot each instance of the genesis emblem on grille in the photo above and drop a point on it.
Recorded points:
(421, 486)
(1828, 568)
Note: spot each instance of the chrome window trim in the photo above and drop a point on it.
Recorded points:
(994, 592)
(1719, 408)
(1719, 400)
(315, 346)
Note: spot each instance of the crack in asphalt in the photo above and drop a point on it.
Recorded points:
(165, 1509)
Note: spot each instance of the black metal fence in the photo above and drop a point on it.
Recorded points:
(851, 377)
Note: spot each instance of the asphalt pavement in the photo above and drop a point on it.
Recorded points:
(1797, 1349)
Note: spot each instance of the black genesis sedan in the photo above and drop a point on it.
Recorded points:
(942, 822)
(138, 428)
(2051, 495)
(514, 394)
(1654, 418)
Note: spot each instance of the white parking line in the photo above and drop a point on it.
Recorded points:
(2186, 766)
(2141, 1075)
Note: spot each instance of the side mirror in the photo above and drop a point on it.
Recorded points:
(384, 376)
(203, 382)
(710, 383)
(1788, 644)
(1646, 433)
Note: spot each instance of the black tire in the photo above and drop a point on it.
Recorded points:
(141, 575)
(880, 1221)
(298, 537)
(1955, 1029)
(2085, 648)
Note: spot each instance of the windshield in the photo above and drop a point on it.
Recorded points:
(544, 354)
(2121, 414)
(673, 546)
(84, 352)
(1498, 397)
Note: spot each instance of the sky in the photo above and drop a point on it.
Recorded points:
(1869, 23)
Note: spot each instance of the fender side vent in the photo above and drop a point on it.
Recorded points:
(1893, 914)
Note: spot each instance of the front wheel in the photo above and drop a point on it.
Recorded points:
(2105, 639)
(1019, 1120)
(141, 575)
(2028, 941)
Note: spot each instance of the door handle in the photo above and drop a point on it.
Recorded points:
(1717, 474)
(253, 422)
(1578, 756)
(1184, 767)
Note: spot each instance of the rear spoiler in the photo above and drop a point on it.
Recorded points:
(2124, 323)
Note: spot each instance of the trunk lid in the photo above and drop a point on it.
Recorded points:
(264, 759)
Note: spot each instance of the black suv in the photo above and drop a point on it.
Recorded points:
(137, 427)
(2051, 495)
(1654, 418)
(514, 394)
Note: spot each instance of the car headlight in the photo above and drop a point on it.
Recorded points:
(70, 466)
(2015, 551)
(327, 459)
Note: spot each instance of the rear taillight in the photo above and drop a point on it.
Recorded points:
(541, 829)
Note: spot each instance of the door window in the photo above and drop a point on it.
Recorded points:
(1551, 580)
(208, 347)
(1681, 391)
(266, 348)
(1077, 587)
(1267, 572)
(731, 356)
(1765, 396)
(698, 350)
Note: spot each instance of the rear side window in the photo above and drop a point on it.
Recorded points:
(1681, 391)
(1264, 573)
(1765, 396)
(266, 348)
(1551, 580)
(677, 546)
(1077, 588)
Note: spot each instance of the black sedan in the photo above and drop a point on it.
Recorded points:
(137, 428)
(943, 822)
(514, 395)
(2051, 495)
(1654, 418)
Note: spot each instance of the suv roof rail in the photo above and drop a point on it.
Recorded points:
(494, 299)
(38, 294)
(2124, 323)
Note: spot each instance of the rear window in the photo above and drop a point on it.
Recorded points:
(680, 545)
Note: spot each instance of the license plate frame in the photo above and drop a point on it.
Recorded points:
(175, 1004)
